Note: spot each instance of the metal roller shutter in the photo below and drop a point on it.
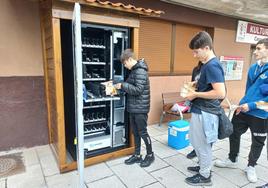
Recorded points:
(184, 61)
(155, 44)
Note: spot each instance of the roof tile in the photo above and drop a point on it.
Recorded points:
(127, 7)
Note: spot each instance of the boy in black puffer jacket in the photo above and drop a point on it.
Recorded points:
(137, 87)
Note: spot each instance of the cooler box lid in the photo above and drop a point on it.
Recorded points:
(178, 124)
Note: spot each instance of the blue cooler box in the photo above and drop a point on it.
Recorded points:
(178, 134)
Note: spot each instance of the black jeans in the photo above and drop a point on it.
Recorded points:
(258, 128)
(138, 123)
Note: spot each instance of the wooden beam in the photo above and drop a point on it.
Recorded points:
(100, 19)
(45, 67)
(98, 159)
(135, 41)
(59, 90)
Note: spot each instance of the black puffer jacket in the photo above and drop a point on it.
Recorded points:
(137, 86)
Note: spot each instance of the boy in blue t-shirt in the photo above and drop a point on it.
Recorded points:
(249, 116)
(205, 107)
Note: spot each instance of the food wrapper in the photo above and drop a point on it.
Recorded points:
(262, 105)
(109, 88)
(186, 88)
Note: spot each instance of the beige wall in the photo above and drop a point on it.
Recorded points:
(224, 43)
(20, 46)
(159, 85)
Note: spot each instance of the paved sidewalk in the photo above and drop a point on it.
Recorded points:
(168, 170)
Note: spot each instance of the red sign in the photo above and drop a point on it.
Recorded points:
(257, 29)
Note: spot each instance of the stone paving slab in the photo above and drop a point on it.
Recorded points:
(171, 178)
(253, 185)
(66, 180)
(180, 163)
(243, 152)
(262, 172)
(155, 132)
(222, 154)
(2, 184)
(133, 176)
(157, 164)
(109, 182)
(162, 139)
(162, 150)
(220, 182)
(30, 157)
(49, 164)
(161, 128)
(245, 143)
(223, 144)
(235, 176)
(155, 185)
(117, 161)
(215, 148)
(185, 151)
(33, 177)
(96, 172)
(263, 161)
(44, 150)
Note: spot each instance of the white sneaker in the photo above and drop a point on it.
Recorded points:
(251, 174)
(227, 163)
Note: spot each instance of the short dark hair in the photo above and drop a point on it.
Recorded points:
(264, 42)
(201, 40)
(128, 53)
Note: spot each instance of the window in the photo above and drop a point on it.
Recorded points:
(155, 44)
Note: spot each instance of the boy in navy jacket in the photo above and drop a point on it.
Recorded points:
(249, 116)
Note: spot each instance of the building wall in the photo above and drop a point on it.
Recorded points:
(23, 112)
(20, 47)
(224, 43)
(23, 109)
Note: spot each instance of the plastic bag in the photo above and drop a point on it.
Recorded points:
(180, 106)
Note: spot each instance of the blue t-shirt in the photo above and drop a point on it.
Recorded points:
(210, 73)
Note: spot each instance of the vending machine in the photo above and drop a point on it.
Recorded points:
(105, 121)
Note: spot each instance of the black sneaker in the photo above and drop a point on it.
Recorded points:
(148, 160)
(133, 159)
(199, 180)
(263, 186)
(191, 155)
(193, 168)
